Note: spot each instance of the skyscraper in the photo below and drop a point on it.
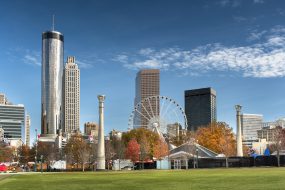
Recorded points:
(71, 96)
(250, 124)
(3, 99)
(27, 127)
(52, 73)
(200, 107)
(12, 121)
(147, 84)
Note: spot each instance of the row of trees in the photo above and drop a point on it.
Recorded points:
(137, 145)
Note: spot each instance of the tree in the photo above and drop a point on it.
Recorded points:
(144, 137)
(278, 142)
(133, 150)
(24, 154)
(217, 137)
(119, 149)
(109, 152)
(77, 150)
(47, 150)
(6, 153)
(160, 150)
(227, 143)
(144, 150)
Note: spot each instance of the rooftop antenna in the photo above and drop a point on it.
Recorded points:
(52, 22)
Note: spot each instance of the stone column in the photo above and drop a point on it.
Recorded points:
(239, 136)
(101, 140)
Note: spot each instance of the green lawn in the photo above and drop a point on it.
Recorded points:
(241, 179)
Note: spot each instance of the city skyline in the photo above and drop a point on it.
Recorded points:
(236, 47)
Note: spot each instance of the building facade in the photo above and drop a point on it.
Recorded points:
(28, 128)
(271, 124)
(3, 99)
(91, 128)
(200, 107)
(147, 84)
(12, 121)
(71, 96)
(52, 75)
(267, 133)
(250, 124)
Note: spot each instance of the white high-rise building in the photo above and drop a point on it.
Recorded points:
(27, 132)
(250, 124)
(71, 96)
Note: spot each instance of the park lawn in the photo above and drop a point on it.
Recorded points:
(241, 179)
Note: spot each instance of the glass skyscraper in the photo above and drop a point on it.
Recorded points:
(200, 107)
(52, 75)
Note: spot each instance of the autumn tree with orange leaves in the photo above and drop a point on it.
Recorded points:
(217, 137)
(133, 150)
(160, 150)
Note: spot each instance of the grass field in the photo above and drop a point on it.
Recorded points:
(241, 179)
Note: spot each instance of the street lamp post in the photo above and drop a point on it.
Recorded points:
(41, 163)
(197, 156)
(35, 166)
(139, 160)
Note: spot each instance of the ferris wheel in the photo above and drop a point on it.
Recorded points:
(160, 114)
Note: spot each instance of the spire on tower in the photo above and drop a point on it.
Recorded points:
(52, 22)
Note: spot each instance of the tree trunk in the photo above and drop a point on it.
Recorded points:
(83, 166)
(278, 158)
(227, 162)
(119, 164)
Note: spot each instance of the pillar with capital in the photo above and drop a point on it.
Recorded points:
(239, 135)
(101, 139)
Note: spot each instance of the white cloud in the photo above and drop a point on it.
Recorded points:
(258, 1)
(32, 58)
(239, 18)
(121, 58)
(230, 3)
(146, 51)
(255, 35)
(263, 59)
(83, 64)
(151, 64)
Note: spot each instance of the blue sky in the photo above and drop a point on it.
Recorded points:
(237, 47)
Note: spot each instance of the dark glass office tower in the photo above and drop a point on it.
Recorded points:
(200, 107)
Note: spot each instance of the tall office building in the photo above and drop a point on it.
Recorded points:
(91, 128)
(28, 128)
(52, 73)
(200, 107)
(12, 121)
(71, 96)
(147, 84)
(3, 99)
(250, 124)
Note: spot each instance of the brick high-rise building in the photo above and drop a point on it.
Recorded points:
(147, 84)
(71, 96)
(3, 99)
(91, 128)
